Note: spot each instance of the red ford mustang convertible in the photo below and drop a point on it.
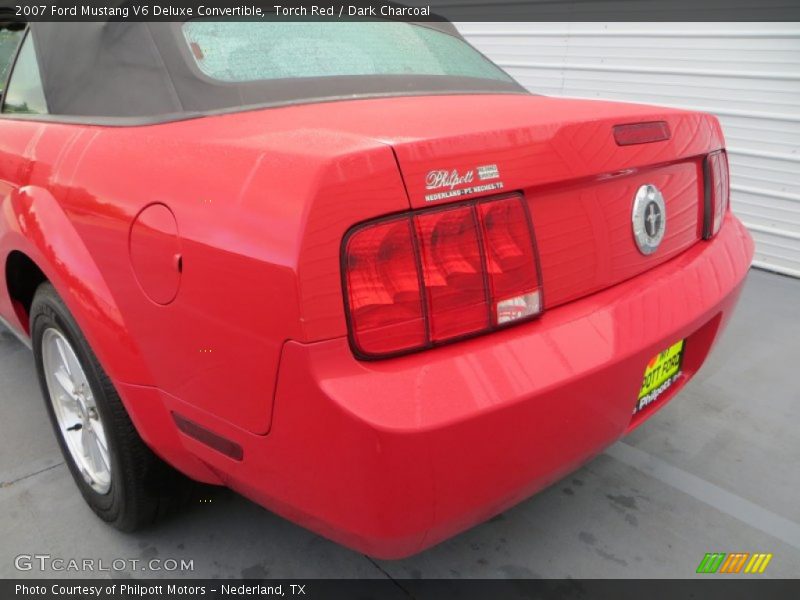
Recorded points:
(351, 270)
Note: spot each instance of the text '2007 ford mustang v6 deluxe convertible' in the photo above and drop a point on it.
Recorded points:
(351, 270)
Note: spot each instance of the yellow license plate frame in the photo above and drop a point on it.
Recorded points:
(659, 375)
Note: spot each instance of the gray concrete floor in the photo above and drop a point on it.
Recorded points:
(715, 471)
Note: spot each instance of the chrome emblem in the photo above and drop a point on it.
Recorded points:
(649, 218)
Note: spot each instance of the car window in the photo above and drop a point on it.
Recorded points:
(244, 52)
(9, 40)
(25, 94)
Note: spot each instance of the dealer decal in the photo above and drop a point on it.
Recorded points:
(661, 373)
(456, 184)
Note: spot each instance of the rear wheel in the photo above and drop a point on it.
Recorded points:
(75, 409)
(120, 478)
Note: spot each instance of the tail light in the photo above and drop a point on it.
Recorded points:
(426, 278)
(717, 192)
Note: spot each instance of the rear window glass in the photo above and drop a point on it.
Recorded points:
(243, 52)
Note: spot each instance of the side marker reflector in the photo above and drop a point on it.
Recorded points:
(209, 438)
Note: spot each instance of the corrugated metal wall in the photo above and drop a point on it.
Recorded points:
(748, 74)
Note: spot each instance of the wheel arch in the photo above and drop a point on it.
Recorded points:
(144, 405)
(23, 277)
(43, 246)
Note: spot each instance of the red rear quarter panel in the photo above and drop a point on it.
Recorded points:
(259, 214)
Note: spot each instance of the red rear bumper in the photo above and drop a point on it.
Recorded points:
(394, 456)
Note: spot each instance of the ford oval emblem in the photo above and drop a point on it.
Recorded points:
(649, 218)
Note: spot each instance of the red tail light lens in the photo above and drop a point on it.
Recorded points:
(717, 191)
(384, 289)
(453, 272)
(422, 279)
(508, 245)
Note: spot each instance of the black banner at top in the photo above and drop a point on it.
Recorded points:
(411, 10)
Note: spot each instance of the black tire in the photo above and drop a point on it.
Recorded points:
(142, 485)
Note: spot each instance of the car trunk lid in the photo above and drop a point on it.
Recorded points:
(579, 183)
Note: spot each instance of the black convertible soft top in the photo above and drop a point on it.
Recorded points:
(138, 69)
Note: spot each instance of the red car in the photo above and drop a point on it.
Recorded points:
(353, 271)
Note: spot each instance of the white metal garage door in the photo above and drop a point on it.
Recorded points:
(748, 74)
